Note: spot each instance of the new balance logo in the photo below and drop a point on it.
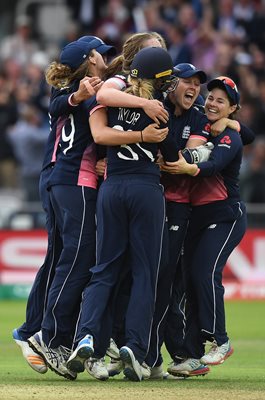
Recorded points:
(174, 228)
(212, 226)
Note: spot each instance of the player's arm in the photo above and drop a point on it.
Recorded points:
(104, 135)
(221, 156)
(246, 134)
(111, 94)
(65, 100)
(197, 149)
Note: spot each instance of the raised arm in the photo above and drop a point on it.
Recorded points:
(111, 94)
(105, 135)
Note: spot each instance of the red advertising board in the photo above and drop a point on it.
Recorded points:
(23, 252)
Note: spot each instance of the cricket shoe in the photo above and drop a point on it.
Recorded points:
(96, 367)
(158, 373)
(132, 368)
(113, 350)
(34, 360)
(54, 358)
(146, 371)
(217, 354)
(115, 367)
(83, 351)
(188, 367)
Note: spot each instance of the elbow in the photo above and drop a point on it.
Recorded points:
(97, 138)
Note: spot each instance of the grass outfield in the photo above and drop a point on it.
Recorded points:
(242, 376)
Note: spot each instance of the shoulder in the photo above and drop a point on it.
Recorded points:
(119, 80)
(229, 137)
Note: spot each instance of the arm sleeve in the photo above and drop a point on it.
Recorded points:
(59, 104)
(169, 148)
(247, 135)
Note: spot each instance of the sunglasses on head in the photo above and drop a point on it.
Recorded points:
(228, 81)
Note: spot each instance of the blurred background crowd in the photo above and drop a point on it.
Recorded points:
(224, 37)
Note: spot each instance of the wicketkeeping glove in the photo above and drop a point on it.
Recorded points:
(198, 154)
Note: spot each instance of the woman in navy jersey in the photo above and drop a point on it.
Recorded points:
(130, 216)
(60, 105)
(111, 93)
(216, 226)
(72, 184)
(190, 128)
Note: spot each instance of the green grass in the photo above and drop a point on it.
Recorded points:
(242, 376)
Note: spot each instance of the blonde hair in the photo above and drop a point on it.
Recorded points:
(131, 47)
(60, 75)
(141, 87)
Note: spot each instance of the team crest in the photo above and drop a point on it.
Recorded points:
(186, 132)
(134, 72)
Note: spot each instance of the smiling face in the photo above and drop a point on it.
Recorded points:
(217, 105)
(185, 94)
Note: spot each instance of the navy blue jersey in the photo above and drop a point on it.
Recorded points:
(246, 134)
(76, 150)
(192, 123)
(218, 178)
(139, 157)
(59, 108)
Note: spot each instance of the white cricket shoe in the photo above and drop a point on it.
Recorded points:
(83, 351)
(115, 367)
(55, 358)
(146, 371)
(113, 350)
(188, 367)
(34, 360)
(132, 368)
(96, 367)
(158, 373)
(217, 354)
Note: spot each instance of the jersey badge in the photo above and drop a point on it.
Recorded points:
(226, 140)
(186, 132)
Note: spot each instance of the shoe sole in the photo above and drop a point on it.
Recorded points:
(34, 345)
(114, 372)
(113, 354)
(187, 374)
(76, 361)
(127, 357)
(228, 354)
(98, 377)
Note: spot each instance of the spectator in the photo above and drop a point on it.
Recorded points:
(28, 139)
(19, 46)
(8, 116)
(179, 50)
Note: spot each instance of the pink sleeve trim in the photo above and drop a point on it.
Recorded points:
(198, 137)
(97, 107)
(70, 101)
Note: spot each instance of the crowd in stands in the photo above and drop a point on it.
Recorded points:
(225, 37)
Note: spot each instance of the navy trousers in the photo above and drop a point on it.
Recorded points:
(130, 217)
(207, 248)
(74, 208)
(37, 299)
(166, 324)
